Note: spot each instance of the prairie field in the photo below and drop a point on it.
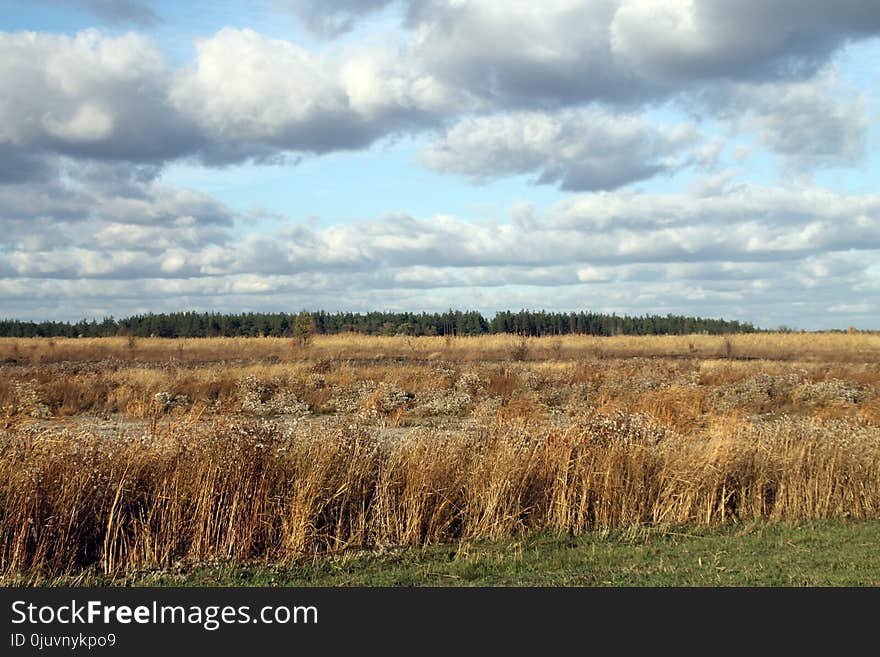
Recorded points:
(128, 455)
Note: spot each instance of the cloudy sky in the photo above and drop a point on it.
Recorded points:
(706, 157)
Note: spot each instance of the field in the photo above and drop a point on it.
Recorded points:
(124, 457)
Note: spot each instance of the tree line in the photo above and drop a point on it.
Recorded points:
(451, 322)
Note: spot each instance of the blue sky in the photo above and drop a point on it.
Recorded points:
(713, 158)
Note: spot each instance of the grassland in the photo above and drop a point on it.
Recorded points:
(818, 553)
(120, 457)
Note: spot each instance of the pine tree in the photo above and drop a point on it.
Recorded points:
(303, 329)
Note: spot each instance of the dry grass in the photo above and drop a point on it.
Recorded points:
(829, 347)
(242, 449)
(253, 491)
(105, 378)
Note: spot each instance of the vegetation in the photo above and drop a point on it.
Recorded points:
(822, 553)
(303, 329)
(458, 323)
(119, 457)
(862, 347)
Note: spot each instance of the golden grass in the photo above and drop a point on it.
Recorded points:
(413, 441)
(245, 492)
(832, 347)
(679, 391)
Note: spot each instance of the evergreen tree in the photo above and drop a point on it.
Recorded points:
(303, 329)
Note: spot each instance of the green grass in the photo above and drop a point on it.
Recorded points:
(828, 553)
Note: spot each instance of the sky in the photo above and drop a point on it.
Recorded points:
(715, 158)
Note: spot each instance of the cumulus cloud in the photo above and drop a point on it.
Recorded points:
(556, 91)
(579, 151)
(563, 52)
(251, 95)
(688, 41)
(557, 53)
(245, 96)
(523, 53)
(671, 41)
(246, 91)
(737, 248)
(88, 224)
(741, 224)
(809, 124)
(89, 95)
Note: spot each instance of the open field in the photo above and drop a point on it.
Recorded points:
(123, 456)
(830, 347)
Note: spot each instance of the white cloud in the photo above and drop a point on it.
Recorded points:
(809, 124)
(246, 87)
(246, 95)
(579, 151)
(89, 95)
(744, 248)
(85, 224)
(249, 96)
(517, 53)
(558, 91)
(561, 52)
(681, 42)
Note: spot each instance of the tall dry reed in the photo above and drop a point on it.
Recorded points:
(71, 503)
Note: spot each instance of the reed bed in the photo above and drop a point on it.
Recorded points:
(76, 502)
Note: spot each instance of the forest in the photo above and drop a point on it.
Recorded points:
(449, 323)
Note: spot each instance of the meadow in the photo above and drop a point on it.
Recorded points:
(121, 456)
